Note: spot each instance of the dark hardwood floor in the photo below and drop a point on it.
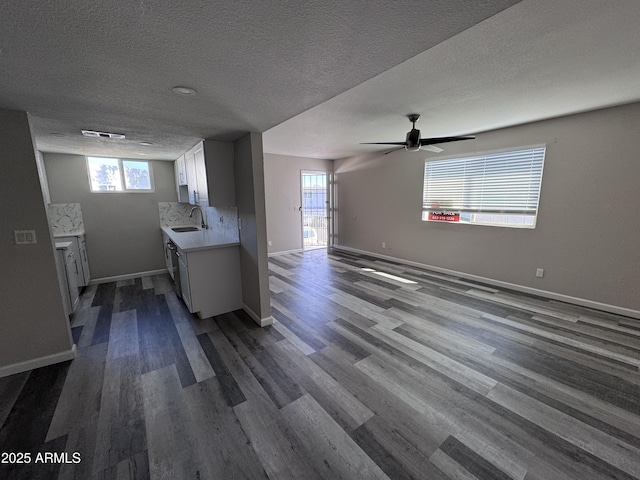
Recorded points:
(371, 370)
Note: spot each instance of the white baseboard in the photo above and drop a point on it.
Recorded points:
(97, 281)
(285, 252)
(263, 322)
(38, 362)
(628, 312)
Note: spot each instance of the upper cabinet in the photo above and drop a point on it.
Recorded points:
(181, 171)
(197, 176)
(209, 175)
(182, 187)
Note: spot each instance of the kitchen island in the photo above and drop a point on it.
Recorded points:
(205, 265)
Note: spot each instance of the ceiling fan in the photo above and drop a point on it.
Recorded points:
(413, 142)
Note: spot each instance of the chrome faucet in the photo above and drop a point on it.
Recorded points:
(204, 225)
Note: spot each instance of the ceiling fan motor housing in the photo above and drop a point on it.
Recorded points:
(413, 140)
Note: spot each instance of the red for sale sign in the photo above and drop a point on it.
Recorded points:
(444, 216)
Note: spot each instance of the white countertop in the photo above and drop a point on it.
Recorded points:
(75, 233)
(200, 240)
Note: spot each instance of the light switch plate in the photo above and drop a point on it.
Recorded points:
(25, 237)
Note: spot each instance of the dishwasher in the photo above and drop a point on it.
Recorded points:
(174, 271)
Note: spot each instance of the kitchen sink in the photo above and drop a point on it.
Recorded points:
(185, 229)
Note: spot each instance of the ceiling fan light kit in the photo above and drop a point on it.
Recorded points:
(414, 143)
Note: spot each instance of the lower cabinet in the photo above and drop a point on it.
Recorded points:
(210, 280)
(68, 264)
(185, 289)
(168, 261)
(84, 261)
(79, 247)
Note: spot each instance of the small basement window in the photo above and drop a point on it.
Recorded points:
(499, 189)
(117, 175)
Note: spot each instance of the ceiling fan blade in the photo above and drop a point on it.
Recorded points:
(432, 148)
(435, 140)
(394, 150)
(385, 143)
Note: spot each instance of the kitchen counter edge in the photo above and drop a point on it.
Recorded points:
(200, 240)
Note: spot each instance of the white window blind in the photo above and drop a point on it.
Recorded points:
(494, 189)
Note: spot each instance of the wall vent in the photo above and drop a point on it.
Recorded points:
(94, 134)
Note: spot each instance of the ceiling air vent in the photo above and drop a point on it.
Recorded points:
(113, 136)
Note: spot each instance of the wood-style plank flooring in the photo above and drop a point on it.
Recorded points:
(372, 370)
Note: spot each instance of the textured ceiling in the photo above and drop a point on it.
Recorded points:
(110, 65)
(538, 59)
(317, 77)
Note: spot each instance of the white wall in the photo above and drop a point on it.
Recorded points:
(122, 229)
(32, 320)
(587, 237)
(282, 188)
(249, 184)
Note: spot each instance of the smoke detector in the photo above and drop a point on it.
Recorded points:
(94, 134)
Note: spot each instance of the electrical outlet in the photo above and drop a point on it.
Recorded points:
(539, 272)
(384, 245)
(25, 237)
(269, 243)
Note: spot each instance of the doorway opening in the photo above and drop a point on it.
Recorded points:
(315, 205)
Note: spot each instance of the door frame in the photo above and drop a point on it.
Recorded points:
(328, 205)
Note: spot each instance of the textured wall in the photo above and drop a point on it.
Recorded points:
(122, 229)
(586, 236)
(32, 319)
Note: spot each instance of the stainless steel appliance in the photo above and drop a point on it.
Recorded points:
(174, 271)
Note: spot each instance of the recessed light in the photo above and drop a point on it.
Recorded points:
(184, 90)
(140, 153)
(146, 144)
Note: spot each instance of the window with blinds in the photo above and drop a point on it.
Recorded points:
(500, 189)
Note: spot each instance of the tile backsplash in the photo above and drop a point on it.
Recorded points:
(174, 214)
(223, 220)
(65, 218)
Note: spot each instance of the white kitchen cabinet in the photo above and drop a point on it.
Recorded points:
(201, 189)
(68, 276)
(79, 247)
(181, 171)
(210, 280)
(185, 289)
(167, 254)
(197, 176)
(209, 171)
(84, 261)
(182, 186)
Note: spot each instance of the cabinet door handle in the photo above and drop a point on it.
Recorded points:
(75, 263)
